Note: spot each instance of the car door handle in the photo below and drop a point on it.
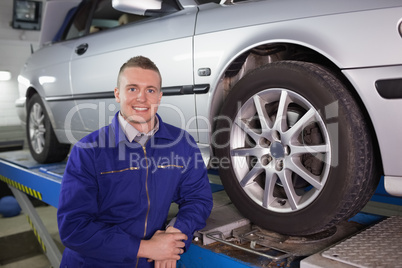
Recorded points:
(81, 49)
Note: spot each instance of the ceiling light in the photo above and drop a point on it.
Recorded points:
(5, 75)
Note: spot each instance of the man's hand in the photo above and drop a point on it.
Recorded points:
(168, 263)
(163, 246)
(171, 229)
(165, 264)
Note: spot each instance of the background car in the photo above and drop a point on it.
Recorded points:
(296, 102)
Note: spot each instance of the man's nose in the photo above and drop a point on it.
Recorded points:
(141, 96)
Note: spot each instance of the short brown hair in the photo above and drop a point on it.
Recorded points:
(139, 61)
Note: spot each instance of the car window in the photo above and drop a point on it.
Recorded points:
(106, 17)
(77, 26)
(97, 15)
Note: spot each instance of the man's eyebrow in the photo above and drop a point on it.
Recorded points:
(135, 85)
(131, 85)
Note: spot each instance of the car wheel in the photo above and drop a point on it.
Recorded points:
(42, 141)
(295, 149)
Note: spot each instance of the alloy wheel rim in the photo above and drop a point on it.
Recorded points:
(37, 130)
(277, 160)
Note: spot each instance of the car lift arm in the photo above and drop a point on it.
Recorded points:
(48, 245)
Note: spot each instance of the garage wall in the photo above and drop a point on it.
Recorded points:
(15, 48)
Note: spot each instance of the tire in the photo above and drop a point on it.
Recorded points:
(301, 157)
(42, 141)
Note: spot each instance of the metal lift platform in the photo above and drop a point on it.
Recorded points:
(229, 239)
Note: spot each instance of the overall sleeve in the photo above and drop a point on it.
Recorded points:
(194, 196)
(78, 210)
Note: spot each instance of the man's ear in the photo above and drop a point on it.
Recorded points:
(117, 94)
(160, 96)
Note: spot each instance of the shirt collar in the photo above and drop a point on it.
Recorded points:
(131, 132)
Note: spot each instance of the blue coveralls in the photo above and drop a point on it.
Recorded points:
(115, 193)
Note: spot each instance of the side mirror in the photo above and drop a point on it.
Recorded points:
(145, 8)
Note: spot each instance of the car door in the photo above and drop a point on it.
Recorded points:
(51, 80)
(98, 55)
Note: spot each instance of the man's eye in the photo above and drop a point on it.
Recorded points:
(132, 89)
(151, 91)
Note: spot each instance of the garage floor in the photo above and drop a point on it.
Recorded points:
(20, 249)
(19, 246)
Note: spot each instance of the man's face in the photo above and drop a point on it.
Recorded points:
(139, 96)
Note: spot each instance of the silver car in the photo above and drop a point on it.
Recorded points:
(297, 102)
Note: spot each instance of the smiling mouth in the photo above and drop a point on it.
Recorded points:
(140, 109)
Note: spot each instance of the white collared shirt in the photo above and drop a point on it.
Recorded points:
(133, 134)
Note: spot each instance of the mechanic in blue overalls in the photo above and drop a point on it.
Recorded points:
(120, 181)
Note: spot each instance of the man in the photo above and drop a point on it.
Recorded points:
(119, 183)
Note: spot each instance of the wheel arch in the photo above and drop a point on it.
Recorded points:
(256, 56)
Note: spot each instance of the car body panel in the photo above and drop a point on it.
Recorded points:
(43, 73)
(384, 113)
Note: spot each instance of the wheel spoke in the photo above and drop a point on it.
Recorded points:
(41, 120)
(296, 166)
(243, 152)
(250, 176)
(37, 113)
(32, 120)
(280, 121)
(39, 143)
(239, 122)
(295, 130)
(311, 149)
(286, 180)
(270, 182)
(265, 121)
